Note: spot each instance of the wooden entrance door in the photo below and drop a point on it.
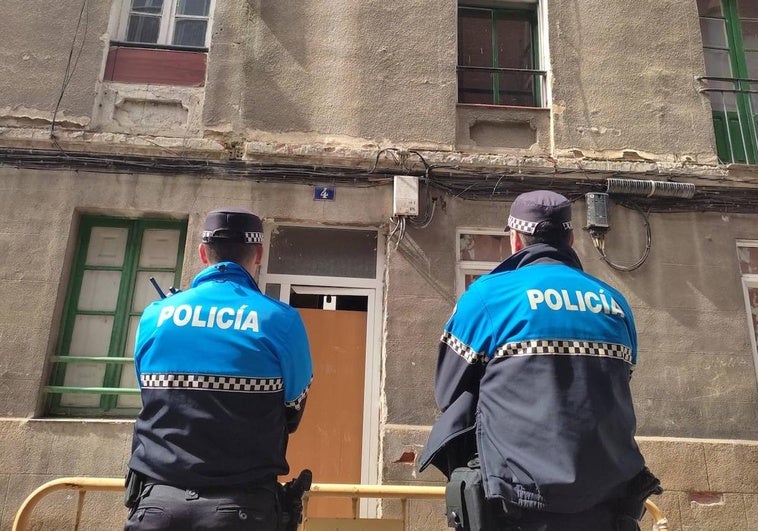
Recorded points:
(330, 436)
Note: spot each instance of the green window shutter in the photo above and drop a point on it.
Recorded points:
(730, 84)
(93, 371)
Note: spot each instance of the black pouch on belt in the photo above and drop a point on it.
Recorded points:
(134, 484)
(466, 507)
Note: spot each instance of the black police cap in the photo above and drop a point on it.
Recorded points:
(532, 208)
(232, 224)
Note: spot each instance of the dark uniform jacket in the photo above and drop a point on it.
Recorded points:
(224, 372)
(536, 361)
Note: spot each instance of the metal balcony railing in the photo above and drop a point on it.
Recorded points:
(318, 490)
(522, 87)
(733, 102)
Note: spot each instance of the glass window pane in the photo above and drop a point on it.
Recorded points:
(91, 336)
(83, 375)
(475, 87)
(714, 32)
(159, 248)
(145, 293)
(475, 37)
(107, 246)
(143, 28)
(516, 89)
(717, 64)
(131, 334)
(514, 43)
(469, 279)
(753, 294)
(323, 252)
(147, 6)
(748, 259)
(750, 35)
(197, 8)
(485, 247)
(709, 7)
(751, 58)
(274, 291)
(99, 291)
(190, 32)
(747, 8)
(128, 381)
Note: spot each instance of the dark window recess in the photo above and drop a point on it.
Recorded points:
(323, 252)
(356, 303)
(497, 57)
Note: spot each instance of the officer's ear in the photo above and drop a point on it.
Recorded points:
(258, 254)
(516, 243)
(203, 254)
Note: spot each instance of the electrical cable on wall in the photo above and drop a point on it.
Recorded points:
(71, 68)
(598, 210)
(598, 240)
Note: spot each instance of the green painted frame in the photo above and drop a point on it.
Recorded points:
(742, 122)
(115, 358)
(528, 14)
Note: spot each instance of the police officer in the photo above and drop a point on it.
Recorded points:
(224, 372)
(533, 382)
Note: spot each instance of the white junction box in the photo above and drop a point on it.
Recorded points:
(405, 198)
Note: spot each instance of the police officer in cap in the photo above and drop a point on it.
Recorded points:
(533, 381)
(224, 372)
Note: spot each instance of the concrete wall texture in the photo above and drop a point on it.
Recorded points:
(329, 84)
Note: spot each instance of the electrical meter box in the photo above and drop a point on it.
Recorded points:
(597, 211)
(405, 197)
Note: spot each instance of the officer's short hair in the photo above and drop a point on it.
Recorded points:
(541, 216)
(232, 234)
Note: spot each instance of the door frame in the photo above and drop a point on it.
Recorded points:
(373, 289)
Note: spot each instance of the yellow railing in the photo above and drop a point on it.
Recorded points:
(318, 490)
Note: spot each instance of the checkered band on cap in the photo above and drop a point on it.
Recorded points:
(247, 237)
(558, 347)
(528, 227)
(211, 382)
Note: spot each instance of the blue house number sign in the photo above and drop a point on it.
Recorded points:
(323, 193)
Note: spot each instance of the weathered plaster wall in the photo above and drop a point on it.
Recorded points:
(695, 376)
(37, 39)
(621, 83)
(360, 70)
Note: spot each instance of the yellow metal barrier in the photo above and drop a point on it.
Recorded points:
(354, 492)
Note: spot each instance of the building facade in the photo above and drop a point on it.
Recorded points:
(123, 122)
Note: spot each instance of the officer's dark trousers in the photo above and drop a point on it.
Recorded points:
(602, 517)
(163, 507)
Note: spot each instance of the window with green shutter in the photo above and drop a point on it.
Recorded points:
(498, 55)
(730, 46)
(93, 368)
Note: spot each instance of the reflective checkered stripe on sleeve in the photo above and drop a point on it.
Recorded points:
(459, 347)
(295, 404)
(560, 347)
(210, 382)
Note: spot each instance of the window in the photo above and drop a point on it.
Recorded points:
(747, 254)
(93, 371)
(167, 22)
(479, 251)
(162, 42)
(730, 46)
(498, 55)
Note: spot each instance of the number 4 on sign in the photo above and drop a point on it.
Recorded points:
(323, 193)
